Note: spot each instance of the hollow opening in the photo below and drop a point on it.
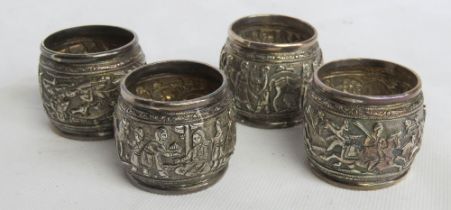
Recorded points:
(88, 39)
(273, 29)
(174, 83)
(367, 77)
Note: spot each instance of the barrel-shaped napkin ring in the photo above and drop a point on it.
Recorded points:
(269, 61)
(79, 74)
(175, 127)
(364, 122)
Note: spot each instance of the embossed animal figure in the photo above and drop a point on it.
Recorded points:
(387, 148)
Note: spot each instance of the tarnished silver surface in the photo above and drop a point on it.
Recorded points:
(79, 73)
(175, 129)
(364, 122)
(269, 61)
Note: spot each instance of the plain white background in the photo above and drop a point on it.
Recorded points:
(41, 170)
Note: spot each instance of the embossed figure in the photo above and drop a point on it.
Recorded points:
(217, 146)
(315, 122)
(59, 101)
(338, 137)
(86, 97)
(59, 108)
(229, 135)
(410, 149)
(307, 75)
(234, 78)
(197, 157)
(373, 146)
(238, 81)
(122, 135)
(153, 151)
(388, 150)
(342, 139)
(257, 90)
(136, 149)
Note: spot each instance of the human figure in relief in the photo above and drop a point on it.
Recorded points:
(196, 160)
(314, 123)
(122, 135)
(410, 149)
(217, 146)
(136, 148)
(153, 151)
(340, 138)
(257, 91)
(237, 81)
(372, 147)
